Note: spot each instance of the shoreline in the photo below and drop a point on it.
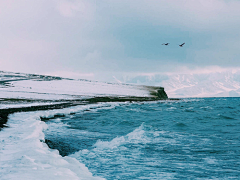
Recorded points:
(4, 113)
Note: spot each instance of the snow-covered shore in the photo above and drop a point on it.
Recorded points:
(28, 86)
(26, 98)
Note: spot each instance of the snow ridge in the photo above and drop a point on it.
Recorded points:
(206, 84)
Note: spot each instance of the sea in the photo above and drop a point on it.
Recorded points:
(191, 138)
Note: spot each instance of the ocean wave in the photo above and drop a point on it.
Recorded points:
(128, 152)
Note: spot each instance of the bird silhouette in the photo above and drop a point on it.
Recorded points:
(181, 45)
(166, 44)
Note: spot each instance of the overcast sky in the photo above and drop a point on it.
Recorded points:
(87, 38)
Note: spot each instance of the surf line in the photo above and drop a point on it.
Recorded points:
(4, 113)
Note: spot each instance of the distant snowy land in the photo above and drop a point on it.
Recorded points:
(225, 83)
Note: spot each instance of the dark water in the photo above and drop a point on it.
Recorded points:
(186, 139)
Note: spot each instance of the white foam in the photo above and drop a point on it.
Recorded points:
(171, 109)
(135, 137)
(206, 107)
(7, 106)
(210, 160)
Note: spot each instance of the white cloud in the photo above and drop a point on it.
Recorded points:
(28, 55)
(80, 8)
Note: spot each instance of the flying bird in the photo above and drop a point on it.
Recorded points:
(166, 44)
(181, 45)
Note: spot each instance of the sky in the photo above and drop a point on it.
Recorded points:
(101, 39)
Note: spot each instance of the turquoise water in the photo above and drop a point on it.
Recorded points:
(186, 139)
